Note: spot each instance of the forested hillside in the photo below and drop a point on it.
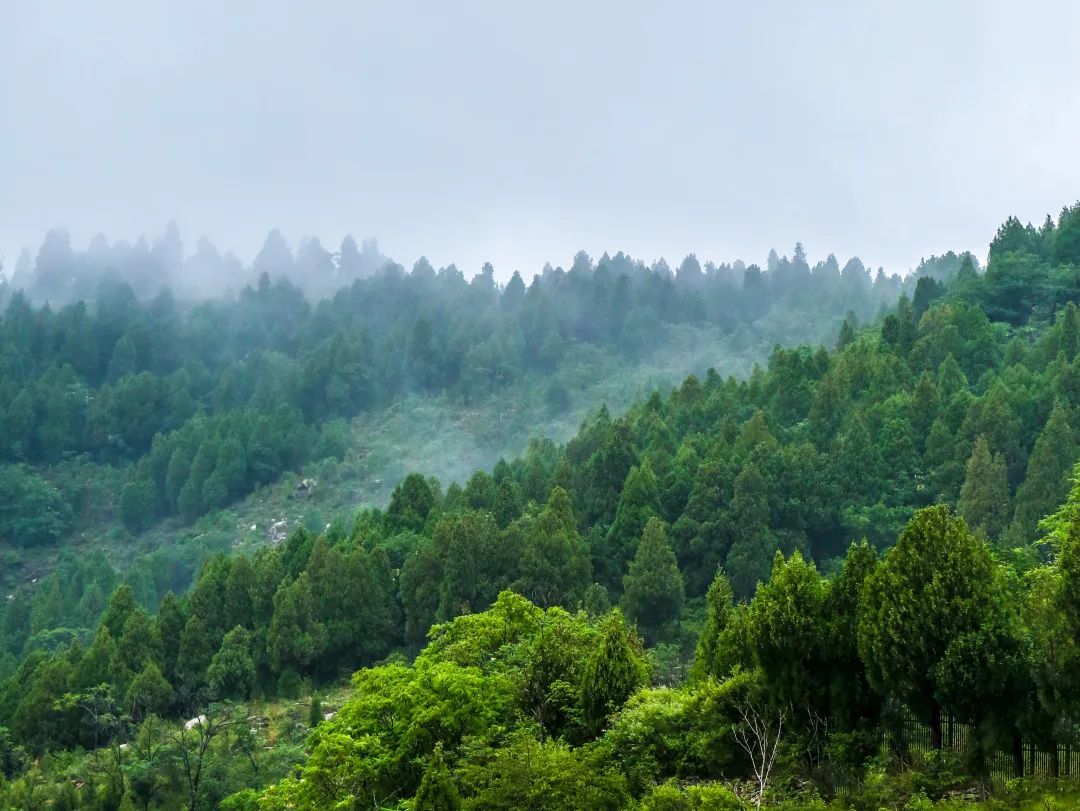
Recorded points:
(130, 407)
(744, 592)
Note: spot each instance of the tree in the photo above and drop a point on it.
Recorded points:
(410, 504)
(984, 497)
(653, 589)
(934, 586)
(32, 512)
(437, 791)
(554, 566)
(138, 504)
(476, 563)
(787, 634)
(760, 735)
(639, 502)
(717, 651)
(753, 544)
(1047, 481)
(232, 672)
(295, 638)
(191, 743)
(148, 694)
(613, 672)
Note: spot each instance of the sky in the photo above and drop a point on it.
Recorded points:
(519, 133)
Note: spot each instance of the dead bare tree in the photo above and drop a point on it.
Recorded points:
(759, 735)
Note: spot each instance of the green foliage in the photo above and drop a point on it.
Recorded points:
(31, 511)
(615, 669)
(936, 585)
(231, 673)
(653, 590)
(437, 791)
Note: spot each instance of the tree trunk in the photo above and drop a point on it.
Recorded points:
(935, 724)
(1054, 773)
(1017, 754)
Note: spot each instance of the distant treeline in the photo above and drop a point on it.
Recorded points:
(205, 402)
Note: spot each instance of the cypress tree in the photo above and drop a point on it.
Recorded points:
(613, 672)
(1047, 482)
(653, 590)
(984, 497)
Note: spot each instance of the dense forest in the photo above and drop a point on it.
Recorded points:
(851, 579)
(131, 406)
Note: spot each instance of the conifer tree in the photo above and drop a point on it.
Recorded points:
(712, 656)
(640, 501)
(613, 672)
(1047, 482)
(653, 589)
(554, 568)
(984, 496)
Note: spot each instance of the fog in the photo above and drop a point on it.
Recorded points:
(492, 131)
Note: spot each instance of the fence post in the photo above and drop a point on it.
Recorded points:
(1017, 754)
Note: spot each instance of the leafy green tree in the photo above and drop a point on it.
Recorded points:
(437, 791)
(984, 497)
(936, 585)
(653, 590)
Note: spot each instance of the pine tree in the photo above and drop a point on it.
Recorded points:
(984, 497)
(315, 712)
(437, 791)
(653, 589)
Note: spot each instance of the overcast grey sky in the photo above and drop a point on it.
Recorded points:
(521, 132)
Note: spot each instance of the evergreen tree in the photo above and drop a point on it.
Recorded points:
(717, 651)
(554, 566)
(148, 694)
(787, 634)
(1047, 482)
(653, 589)
(984, 497)
(639, 502)
(231, 673)
(613, 672)
(934, 586)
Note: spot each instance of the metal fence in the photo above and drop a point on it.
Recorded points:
(958, 737)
